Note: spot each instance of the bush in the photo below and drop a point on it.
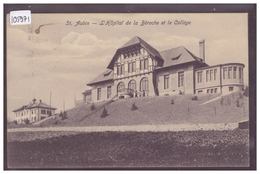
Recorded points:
(194, 98)
(27, 121)
(104, 113)
(134, 107)
(64, 116)
(15, 121)
(61, 114)
(92, 107)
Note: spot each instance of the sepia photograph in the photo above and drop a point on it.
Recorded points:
(98, 89)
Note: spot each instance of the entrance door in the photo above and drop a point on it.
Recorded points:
(144, 86)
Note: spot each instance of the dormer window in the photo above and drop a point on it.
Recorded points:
(176, 58)
(106, 74)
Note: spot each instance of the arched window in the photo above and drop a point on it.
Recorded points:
(132, 84)
(120, 87)
(144, 84)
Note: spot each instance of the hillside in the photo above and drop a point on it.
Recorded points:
(159, 110)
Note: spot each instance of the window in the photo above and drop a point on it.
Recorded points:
(141, 64)
(200, 91)
(208, 90)
(211, 74)
(109, 92)
(99, 94)
(48, 112)
(120, 87)
(207, 75)
(240, 73)
(229, 72)
(144, 84)
(224, 73)
(130, 67)
(166, 81)
(123, 69)
(234, 72)
(43, 111)
(199, 77)
(211, 90)
(32, 111)
(216, 90)
(118, 70)
(145, 63)
(181, 79)
(231, 88)
(215, 74)
(133, 66)
(132, 84)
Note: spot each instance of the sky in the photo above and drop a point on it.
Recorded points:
(62, 58)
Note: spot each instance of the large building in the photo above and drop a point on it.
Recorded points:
(138, 69)
(33, 112)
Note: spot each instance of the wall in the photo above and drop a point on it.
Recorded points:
(103, 86)
(138, 79)
(31, 114)
(173, 71)
(221, 84)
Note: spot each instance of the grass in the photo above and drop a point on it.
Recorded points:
(158, 110)
(131, 149)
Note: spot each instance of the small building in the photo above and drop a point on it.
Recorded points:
(87, 96)
(137, 69)
(33, 112)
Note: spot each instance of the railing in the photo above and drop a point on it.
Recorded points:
(126, 90)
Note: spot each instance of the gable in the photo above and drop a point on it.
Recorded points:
(134, 47)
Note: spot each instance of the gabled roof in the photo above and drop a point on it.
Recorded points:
(178, 56)
(34, 105)
(105, 76)
(136, 41)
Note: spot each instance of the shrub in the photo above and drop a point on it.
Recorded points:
(194, 98)
(134, 107)
(92, 107)
(104, 113)
(221, 101)
(15, 121)
(27, 121)
(172, 102)
(64, 116)
(237, 103)
(61, 114)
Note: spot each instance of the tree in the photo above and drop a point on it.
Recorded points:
(92, 107)
(27, 121)
(64, 116)
(134, 107)
(104, 113)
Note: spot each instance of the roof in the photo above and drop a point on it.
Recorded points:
(87, 92)
(135, 41)
(178, 56)
(105, 76)
(34, 105)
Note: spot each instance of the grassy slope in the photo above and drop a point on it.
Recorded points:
(159, 110)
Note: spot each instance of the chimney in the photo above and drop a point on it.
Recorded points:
(40, 101)
(202, 49)
(34, 100)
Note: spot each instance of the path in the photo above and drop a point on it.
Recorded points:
(135, 128)
(39, 122)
